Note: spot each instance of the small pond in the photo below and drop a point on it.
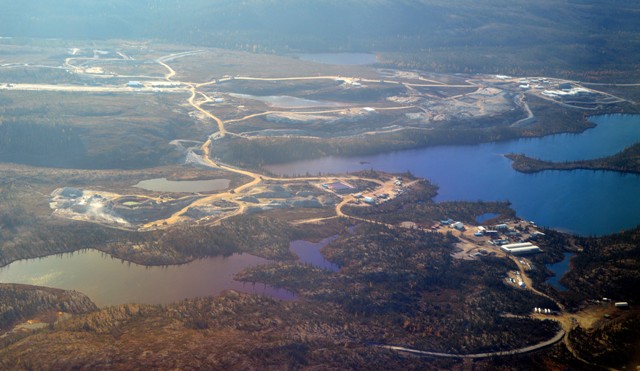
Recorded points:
(309, 252)
(559, 269)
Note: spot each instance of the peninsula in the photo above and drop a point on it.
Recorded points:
(626, 161)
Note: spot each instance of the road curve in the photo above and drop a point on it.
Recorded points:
(532, 348)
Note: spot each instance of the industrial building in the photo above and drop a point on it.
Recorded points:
(446, 222)
(458, 225)
(520, 248)
(338, 186)
(370, 200)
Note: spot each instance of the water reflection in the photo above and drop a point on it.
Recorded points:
(309, 252)
(559, 269)
(109, 281)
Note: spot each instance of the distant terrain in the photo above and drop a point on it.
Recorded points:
(82, 125)
(111, 111)
(579, 39)
(70, 106)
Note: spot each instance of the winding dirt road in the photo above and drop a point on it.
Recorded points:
(256, 178)
(528, 349)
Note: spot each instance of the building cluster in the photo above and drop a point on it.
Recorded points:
(544, 311)
(526, 84)
(510, 240)
(520, 282)
(374, 199)
(453, 224)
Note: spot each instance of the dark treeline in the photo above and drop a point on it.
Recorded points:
(20, 302)
(612, 344)
(608, 267)
(72, 131)
(40, 144)
(406, 285)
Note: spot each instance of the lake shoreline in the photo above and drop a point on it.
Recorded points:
(91, 272)
(481, 172)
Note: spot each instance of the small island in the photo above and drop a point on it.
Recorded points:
(626, 161)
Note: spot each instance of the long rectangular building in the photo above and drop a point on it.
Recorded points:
(520, 248)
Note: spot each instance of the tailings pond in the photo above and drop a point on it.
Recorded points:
(109, 281)
(581, 201)
(184, 186)
(285, 101)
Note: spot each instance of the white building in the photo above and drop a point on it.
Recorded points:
(520, 248)
(458, 225)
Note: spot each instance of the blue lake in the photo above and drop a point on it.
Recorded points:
(583, 202)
